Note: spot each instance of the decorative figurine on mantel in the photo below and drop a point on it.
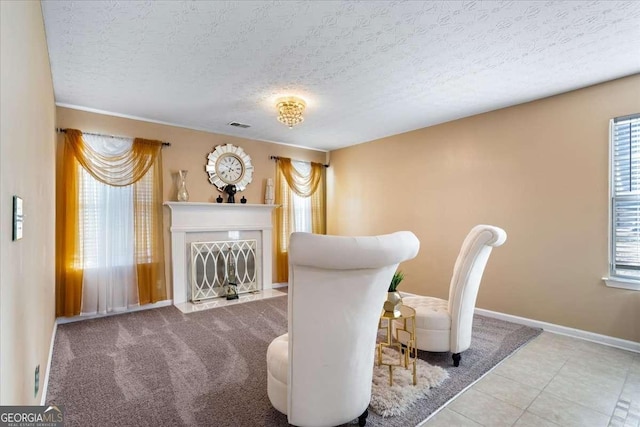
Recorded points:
(243, 200)
(231, 191)
(219, 199)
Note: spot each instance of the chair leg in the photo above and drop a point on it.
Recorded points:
(456, 359)
(403, 348)
(362, 419)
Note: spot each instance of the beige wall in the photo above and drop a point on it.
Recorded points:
(189, 150)
(27, 169)
(539, 170)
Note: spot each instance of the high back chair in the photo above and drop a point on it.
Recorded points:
(319, 373)
(443, 325)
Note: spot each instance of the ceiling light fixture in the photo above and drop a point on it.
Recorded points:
(290, 110)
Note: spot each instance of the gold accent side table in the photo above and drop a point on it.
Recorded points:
(409, 354)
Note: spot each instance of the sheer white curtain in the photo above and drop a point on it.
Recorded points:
(300, 206)
(107, 237)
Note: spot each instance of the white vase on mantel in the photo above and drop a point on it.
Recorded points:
(268, 192)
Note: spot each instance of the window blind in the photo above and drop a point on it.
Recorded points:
(301, 206)
(625, 192)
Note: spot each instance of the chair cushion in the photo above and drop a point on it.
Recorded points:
(278, 358)
(431, 313)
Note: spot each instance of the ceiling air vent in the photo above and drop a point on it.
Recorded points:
(239, 125)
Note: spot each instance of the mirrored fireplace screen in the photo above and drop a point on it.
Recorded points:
(213, 262)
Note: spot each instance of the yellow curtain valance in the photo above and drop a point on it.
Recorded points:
(303, 186)
(119, 170)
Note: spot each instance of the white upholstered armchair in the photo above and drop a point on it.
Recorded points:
(446, 325)
(319, 374)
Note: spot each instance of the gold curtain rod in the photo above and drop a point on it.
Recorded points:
(276, 158)
(61, 130)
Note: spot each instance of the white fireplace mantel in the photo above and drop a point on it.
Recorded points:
(195, 217)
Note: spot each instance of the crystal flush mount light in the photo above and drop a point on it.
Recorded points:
(290, 110)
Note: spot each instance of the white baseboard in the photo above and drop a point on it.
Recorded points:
(279, 285)
(47, 373)
(63, 320)
(557, 329)
(564, 330)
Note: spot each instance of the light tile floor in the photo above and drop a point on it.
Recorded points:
(189, 307)
(552, 381)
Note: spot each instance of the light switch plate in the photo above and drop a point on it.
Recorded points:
(18, 217)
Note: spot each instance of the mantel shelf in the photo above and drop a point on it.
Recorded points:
(178, 205)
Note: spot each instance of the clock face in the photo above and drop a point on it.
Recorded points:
(230, 168)
(228, 164)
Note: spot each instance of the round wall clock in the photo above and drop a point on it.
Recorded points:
(228, 164)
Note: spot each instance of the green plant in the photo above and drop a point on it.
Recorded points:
(398, 276)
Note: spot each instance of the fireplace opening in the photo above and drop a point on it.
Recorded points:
(210, 263)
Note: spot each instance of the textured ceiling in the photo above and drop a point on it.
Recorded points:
(366, 69)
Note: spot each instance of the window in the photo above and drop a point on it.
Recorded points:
(103, 209)
(625, 202)
(301, 206)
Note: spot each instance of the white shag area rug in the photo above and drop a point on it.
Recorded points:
(389, 401)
